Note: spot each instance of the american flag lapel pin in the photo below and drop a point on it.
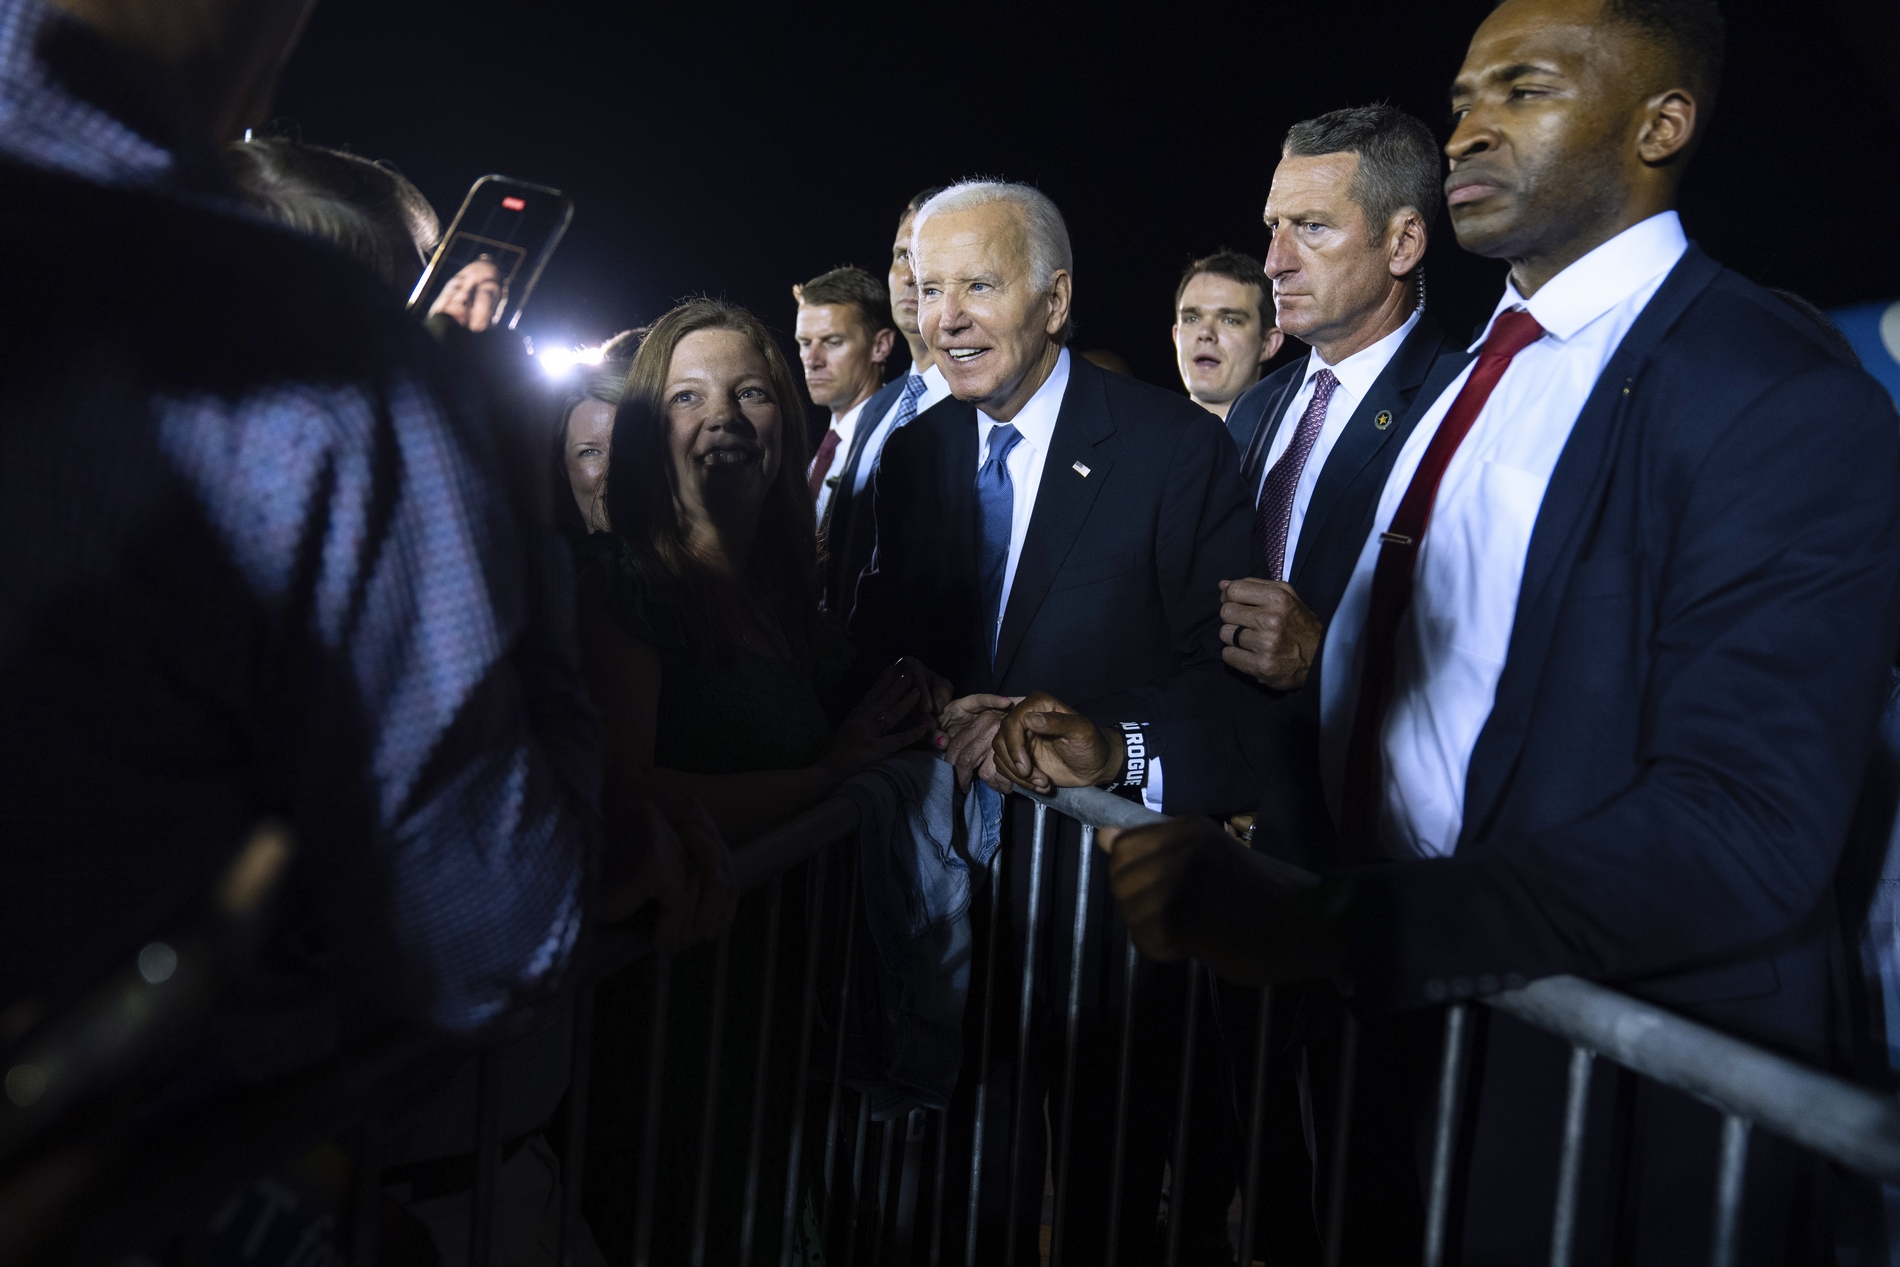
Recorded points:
(1081, 470)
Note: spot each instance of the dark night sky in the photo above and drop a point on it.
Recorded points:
(733, 150)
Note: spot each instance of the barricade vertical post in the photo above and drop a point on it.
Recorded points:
(481, 1233)
(1077, 942)
(837, 1055)
(1563, 1223)
(709, 1108)
(815, 906)
(574, 1151)
(936, 1205)
(1731, 1170)
(1256, 1126)
(366, 1193)
(1445, 1136)
(1020, 1115)
(857, 1176)
(755, 1133)
(1177, 1173)
(983, 1062)
(647, 1176)
(887, 1156)
(1131, 960)
(1342, 1139)
(908, 1181)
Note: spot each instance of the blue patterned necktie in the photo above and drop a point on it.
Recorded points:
(907, 403)
(995, 504)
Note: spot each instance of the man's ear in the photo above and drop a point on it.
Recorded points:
(1406, 241)
(881, 345)
(1059, 292)
(1270, 347)
(1669, 125)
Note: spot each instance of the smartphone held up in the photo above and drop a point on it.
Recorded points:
(485, 270)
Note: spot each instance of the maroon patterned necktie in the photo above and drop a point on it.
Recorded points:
(1273, 518)
(821, 463)
(1363, 788)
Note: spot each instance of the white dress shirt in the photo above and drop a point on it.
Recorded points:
(846, 427)
(935, 389)
(1037, 423)
(1356, 375)
(1452, 642)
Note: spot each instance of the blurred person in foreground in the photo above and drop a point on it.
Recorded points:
(367, 208)
(705, 649)
(1613, 718)
(1224, 333)
(291, 580)
(848, 533)
(844, 336)
(1057, 526)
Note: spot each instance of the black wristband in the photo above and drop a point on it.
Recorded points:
(1135, 764)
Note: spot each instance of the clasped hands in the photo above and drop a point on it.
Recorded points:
(1186, 888)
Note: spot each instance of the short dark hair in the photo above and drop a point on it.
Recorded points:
(365, 208)
(1399, 162)
(1233, 265)
(853, 286)
(1692, 32)
(919, 199)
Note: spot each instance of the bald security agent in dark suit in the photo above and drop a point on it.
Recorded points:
(1105, 588)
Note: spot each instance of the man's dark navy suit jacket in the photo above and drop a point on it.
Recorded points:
(1139, 515)
(1267, 754)
(847, 533)
(1700, 653)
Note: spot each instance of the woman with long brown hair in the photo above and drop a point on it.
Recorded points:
(706, 652)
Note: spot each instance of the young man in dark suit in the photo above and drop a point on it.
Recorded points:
(1601, 692)
(848, 533)
(1051, 526)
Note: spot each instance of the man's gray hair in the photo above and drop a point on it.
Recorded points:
(1400, 165)
(1047, 231)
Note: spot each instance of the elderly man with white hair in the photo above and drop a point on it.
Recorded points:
(1053, 527)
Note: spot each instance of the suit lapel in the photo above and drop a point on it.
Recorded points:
(1254, 462)
(1063, 500)
(873, 413)
(1395, 393)
(1576, 487)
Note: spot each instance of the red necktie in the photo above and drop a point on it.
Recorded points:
(821, 462)
(1363, 791)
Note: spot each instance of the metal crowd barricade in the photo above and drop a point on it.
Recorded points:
(1851, 1125)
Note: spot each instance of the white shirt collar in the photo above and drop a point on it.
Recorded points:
(847, 426)
(1589, 287)
(1359, 371)
(1036, 420)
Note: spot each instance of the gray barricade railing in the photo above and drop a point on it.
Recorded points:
(1849, 1124)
